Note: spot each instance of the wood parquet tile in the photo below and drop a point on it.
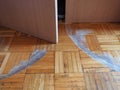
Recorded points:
(67, 62)
(15, 82)
(6, 32)
(5, 43)
(65, 44)
(15, 59)
(39, 82)
(23, 42)
(45, 65)
(92, 42)
(3, 61)
(90, 65)
(100, 81)
(71, 81)
(65, 66)
(116, 77)
(42, 44)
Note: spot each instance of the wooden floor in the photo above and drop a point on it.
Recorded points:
(64, 67)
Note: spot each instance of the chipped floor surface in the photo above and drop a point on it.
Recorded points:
(65, 66)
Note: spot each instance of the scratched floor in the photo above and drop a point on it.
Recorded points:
(64, 67)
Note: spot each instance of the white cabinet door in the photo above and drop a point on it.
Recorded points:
(35, 17)
(92, 11)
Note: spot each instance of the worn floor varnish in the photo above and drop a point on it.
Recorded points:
(64, 67)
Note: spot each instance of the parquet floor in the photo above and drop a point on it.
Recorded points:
(64, 67)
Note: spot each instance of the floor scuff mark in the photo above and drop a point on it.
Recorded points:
(79, 39)
(35, 56)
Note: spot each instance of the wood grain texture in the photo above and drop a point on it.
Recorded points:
(70, 81)
(116, 77)
(14, 60)
(45, 65)
(90, 65)
(64, 67)
(38, 18)
(23, 43)
(5, 43)
(67, 62)
(3, 61)
(14, 82)
(100, 81)
(65, 43)
(39, 82)
(59, 63)
(92, 42)
(42, 44)
(92, 11)
(6, 32)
